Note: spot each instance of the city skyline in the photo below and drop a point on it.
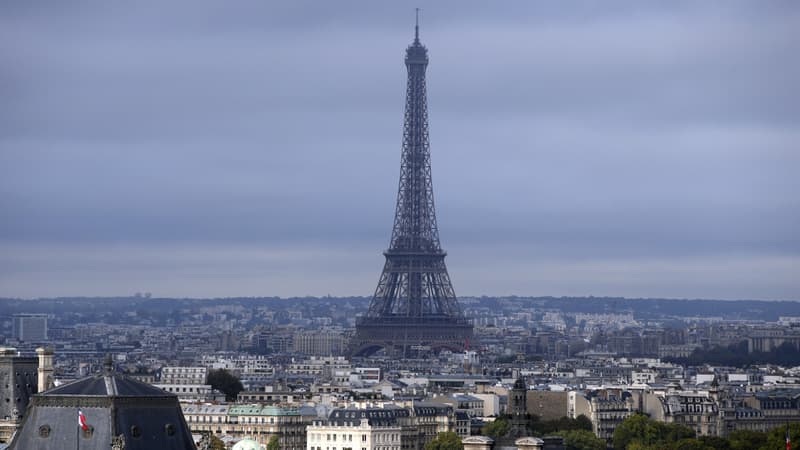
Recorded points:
(192, 150)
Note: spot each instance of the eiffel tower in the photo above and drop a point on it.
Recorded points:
(414, 309)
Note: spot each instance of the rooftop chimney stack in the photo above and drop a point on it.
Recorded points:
(45, 368)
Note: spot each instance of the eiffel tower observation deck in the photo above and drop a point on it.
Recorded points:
(414, 310)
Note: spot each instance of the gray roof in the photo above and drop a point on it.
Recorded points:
(109, 384)
(466, 398)
(431, 409)
(779, 394)
(114, 406)
(374, 416)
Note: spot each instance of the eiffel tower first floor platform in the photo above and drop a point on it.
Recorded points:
(410, 337)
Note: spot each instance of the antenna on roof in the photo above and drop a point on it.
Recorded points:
(416, 28)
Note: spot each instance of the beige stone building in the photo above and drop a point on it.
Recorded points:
(548, 405)
(256, 421)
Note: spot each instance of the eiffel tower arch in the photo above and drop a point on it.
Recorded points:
(414, 309)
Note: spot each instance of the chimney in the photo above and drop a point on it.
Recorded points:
(45, 368)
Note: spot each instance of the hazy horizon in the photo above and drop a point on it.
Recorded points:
(142, 295)
(193, 149)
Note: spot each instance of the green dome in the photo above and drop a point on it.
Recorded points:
(248, 444)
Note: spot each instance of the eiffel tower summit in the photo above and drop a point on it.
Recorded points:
(414, 309)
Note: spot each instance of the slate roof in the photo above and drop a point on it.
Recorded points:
(778, 394)
(269, 410)
(109, 384)
(431, 409)
(114, 406)
(374, 416)
(204, 409)
(466, 398)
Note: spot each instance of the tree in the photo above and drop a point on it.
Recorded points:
(445, 441)
(496, 429)
(776, 438)
(583, 423)
(689, 444)
(675, 432)
(641, 430)
(637, 445)
(717, 443)
(561, 424)
(581, 440)
(631, 429)
(274, 443)
(225, 382)
(746, 439)
(216, 443)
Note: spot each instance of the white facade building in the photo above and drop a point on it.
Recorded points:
(354, 434)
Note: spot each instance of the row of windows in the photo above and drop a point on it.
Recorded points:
(776, 405)
(184, 389)
(697, 408)
(242, 420)
(350, 448)
(392, 437)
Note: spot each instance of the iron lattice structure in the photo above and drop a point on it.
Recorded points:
(414, 307)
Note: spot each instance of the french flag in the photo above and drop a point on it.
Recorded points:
(82, 421)
(788, 439)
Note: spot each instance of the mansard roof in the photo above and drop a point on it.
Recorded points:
(109, 384)
(114, 407)
(374, 416)
(431, 409)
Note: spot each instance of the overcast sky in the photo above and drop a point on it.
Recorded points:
(212, 148)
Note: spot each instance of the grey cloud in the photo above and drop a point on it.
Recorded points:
(615, 133)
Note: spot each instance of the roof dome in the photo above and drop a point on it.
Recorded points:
(248, 444)
(113, 406)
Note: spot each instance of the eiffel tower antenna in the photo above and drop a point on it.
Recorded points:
(414, 308)
(416, 27)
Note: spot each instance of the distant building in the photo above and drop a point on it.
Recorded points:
(548, 405)
(606, 408)
(319, 343)
(469, 404)
(188, 383)
(320, 366)
(183, 375)
(694, 409)
(775, 408)
(767, 340)
(677, 351)
(430, 419)
(368, 375)
(30, 327)
(491, 404)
